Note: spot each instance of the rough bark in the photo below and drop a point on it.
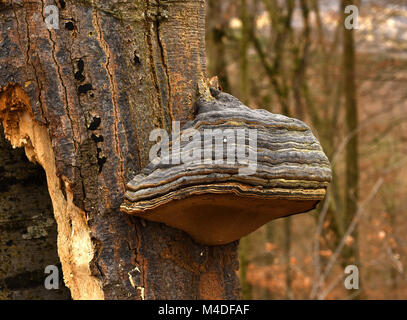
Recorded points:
(82, 100)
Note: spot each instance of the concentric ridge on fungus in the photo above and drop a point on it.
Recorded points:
(213, 202)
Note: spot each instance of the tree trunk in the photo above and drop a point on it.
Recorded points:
(244, 259)
(351, 254)
(82, 100)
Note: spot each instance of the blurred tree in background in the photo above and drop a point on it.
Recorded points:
(295, 57)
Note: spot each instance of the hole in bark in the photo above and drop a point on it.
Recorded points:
(23, 131)
(83, 89)
(101, 162)
(96, 138)
(62, 4)
(81, 65)
(26, 209)
(95, 123)
(69, 26)
(136, 58)
(79, 74)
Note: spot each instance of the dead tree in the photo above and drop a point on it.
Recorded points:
(82, 101)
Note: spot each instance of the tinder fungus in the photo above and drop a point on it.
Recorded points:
(229, 171)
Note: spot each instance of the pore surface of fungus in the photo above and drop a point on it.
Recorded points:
(229, 171)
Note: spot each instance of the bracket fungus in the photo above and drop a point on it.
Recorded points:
(241, 169)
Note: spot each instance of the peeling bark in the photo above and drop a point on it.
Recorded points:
(82, 100)
(75, 247)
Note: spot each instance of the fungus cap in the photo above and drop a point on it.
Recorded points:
(217, 200)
